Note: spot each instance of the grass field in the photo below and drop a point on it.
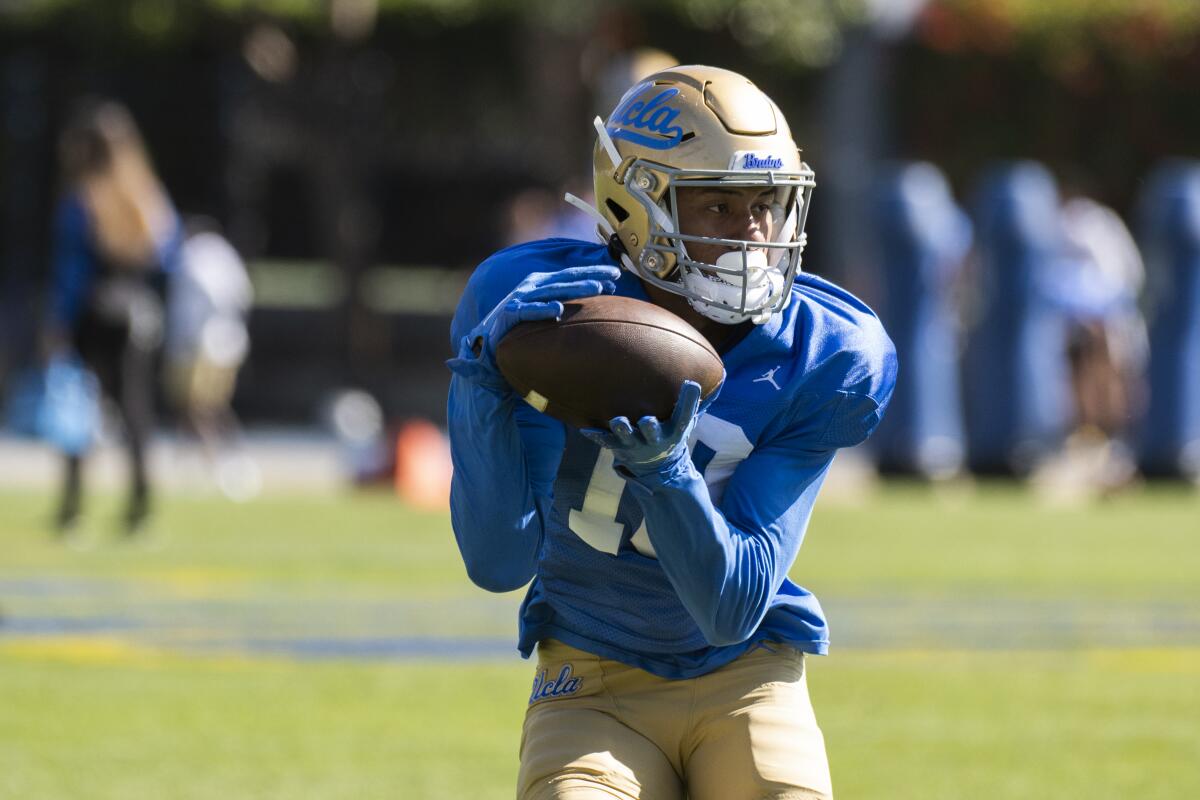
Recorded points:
(986, 646)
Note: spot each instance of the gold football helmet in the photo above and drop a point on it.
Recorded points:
(694, 126)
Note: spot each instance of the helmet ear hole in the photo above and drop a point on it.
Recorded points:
(616, 248)
(619, 213)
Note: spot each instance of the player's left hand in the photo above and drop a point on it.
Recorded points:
(652, 446)
(540, 296)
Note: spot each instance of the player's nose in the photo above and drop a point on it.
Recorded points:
(747, 226)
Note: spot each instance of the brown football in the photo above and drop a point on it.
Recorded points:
(607, 356)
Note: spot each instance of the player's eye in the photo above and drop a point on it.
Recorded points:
(718, 208)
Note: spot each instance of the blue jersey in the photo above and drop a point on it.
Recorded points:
(677, 574)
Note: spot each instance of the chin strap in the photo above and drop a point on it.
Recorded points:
(606, 228)
(590, 210)
(606, 141)
(606, 232)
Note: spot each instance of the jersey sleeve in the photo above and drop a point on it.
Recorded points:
(853, 370)
(505, 457)
(500, 494)
(727, 564)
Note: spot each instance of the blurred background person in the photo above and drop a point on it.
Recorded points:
(1098, 282)
(208, 298)
(115, 235)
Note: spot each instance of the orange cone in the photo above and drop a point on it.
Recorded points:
(423, 466)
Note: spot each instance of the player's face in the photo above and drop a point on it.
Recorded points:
(725, 213)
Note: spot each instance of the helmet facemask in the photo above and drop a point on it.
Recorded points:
(751, 280)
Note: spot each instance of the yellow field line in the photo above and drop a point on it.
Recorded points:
(112, 650)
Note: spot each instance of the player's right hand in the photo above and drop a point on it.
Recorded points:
(539, 296)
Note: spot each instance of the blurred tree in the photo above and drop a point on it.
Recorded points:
(802, 32)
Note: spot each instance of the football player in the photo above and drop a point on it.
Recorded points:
(671, 643)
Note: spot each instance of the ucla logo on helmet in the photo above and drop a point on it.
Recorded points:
(647, 122)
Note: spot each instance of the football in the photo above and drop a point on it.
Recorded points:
(607, 356)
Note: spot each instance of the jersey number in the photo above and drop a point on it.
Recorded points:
(596, 522)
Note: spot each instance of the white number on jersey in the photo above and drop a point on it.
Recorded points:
(596, 523)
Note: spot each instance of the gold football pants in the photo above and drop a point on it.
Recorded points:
(597, 729)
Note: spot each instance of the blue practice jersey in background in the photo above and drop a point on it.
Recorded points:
(677, 574)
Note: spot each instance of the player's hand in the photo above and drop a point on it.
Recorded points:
(652, 446)
(540, 296)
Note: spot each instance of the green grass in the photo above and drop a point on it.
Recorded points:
(1014, 725)
(999, 538)
(141, 726)
(115, 716)
(360, 542)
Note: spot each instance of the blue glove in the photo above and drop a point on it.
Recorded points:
(539, 296)
(651, 447)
